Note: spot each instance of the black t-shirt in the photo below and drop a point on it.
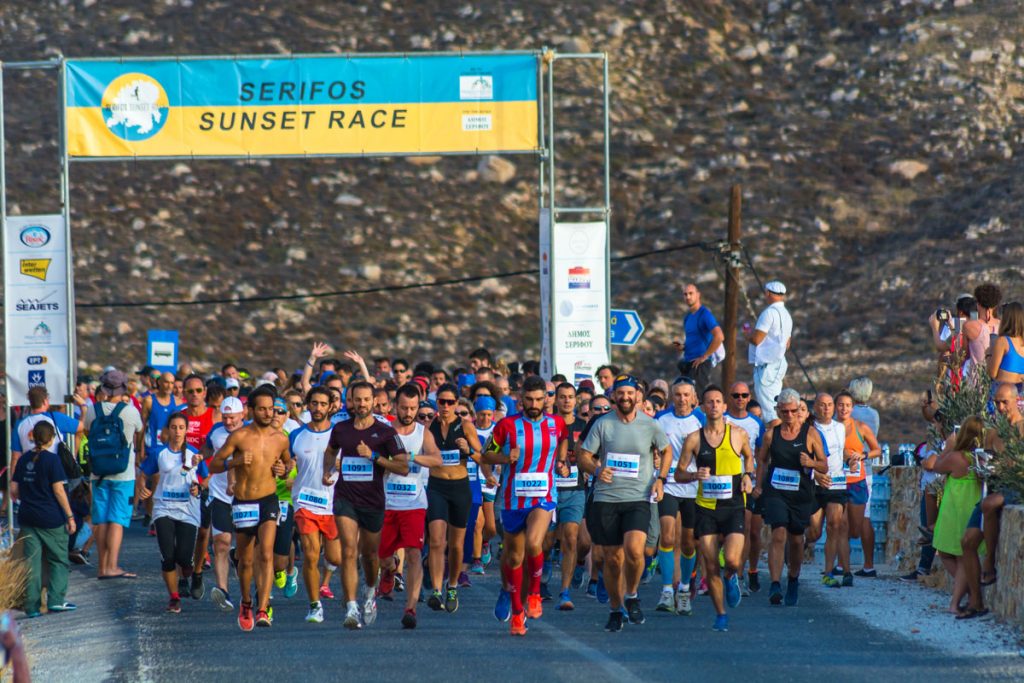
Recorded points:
(576, 431)
(361, 481)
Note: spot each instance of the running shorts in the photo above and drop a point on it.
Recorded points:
(609, 522)
(220, 517)
(368, 519)
(285, 528)
(784, 512)
(514, 521)
(685, 507)
(755, 505)
(402, 529)
(826, 496)
(449, 500)
(248, 516)
(723, 521)
(570, 506)
(858, 492)
(311, 523)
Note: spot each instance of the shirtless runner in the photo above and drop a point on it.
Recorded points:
(258, 449)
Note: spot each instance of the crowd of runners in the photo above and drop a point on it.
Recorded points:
(408, 480)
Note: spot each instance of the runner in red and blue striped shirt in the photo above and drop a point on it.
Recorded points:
(531, 445)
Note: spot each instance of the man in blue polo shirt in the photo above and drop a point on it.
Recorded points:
(703, 339)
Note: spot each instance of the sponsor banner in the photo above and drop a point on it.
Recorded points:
(302, 105)
(579, 301)
(35, 307)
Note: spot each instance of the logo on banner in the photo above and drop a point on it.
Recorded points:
(36, 378)
(41, 334)
(35, 267)
(36, 360)
(33, 305)
(579, 278)
(476, 87)
(35, 236)
(582, 370)
(135, 107)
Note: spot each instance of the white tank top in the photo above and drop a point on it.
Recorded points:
(833, 435)
(308, 490)
(219, 482)
(408, 492)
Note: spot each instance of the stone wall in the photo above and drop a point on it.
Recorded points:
(1006, 597)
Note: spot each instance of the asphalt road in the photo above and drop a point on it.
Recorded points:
(121, 633)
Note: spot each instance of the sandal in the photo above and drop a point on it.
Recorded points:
(971, 613)
(992, 578)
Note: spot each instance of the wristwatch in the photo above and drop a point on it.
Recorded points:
(664, 480)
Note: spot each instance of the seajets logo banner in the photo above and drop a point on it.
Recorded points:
(308, 105)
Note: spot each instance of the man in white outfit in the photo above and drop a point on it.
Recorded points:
(769, 341)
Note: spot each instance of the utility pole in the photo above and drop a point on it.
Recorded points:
(732, 288)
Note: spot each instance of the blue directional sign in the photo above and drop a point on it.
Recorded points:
(626, 327)
(162, 350)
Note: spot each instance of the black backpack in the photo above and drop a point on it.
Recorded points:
(72, 470)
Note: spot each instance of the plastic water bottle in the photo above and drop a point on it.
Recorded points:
(885, 454)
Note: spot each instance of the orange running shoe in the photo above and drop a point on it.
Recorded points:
(534, 610)
(245, 621)
(518, 627)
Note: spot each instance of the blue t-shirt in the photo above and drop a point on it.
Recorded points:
(20, 441)
(35, 477)
(698, 327)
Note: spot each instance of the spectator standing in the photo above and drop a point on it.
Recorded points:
(979, 328)
(703, 338)
(40, 411)
(769, 341)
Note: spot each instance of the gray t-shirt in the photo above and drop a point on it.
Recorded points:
(132, 421)
(628, 450)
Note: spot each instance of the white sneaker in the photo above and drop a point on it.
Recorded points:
(315, 614)
(353, 620)
(683, 603)
(744, 589)
(369, 605)
(665, 601)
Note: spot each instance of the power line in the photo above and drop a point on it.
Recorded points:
(373, 290)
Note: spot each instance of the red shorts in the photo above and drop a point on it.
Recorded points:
(310, 523)
(402, 529)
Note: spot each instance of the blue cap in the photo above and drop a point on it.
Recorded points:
(625, 381)
(428, 404)
(279, 404)
(466, 380)
(484, 403)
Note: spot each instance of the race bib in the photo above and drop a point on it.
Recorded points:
(314, 500)
(531, 484)
(838, 482)
(473, 468)
(625, 465)
(451, 458)
(488, 490)
(283, 517)
(245, 515)
(175, 495)
(571, 481)
(785, 480)
(356, 469)
(402, 487)
(718, 488)
(853, 469)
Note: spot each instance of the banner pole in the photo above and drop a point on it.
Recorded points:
(8, 499)
(607, 211)
(65, 197)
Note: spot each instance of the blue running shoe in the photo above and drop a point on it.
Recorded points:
(721, 623)
(577, 578)
(503, 608)
(602, 593)
(732, 592)
(775, 593)
(291, 583)
(565, 602)
(792, 592)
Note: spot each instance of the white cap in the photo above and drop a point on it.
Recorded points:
(775, 287)
(263, 383)
(231, 406)
(269, 376)
(230, 383)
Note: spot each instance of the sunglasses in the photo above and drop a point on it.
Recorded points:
(425, 417)
(295, 405)
(195, 391)
(601, 409)
(462, 413)
(446, 401)
(232, 388)
(741, 395)
(278, 411)
(551, 393)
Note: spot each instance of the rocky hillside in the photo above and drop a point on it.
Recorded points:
(876, 144)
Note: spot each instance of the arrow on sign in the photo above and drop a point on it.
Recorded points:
(626, 328)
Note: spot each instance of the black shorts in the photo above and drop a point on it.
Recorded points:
(449, 500)
(220, 516)
(781, 511)
(368, 519)
(285, 529)
(728, 520)
(755, 505)
(825, 496)
(609, 522)
(669, 505)
(204, 509)
(266, 511)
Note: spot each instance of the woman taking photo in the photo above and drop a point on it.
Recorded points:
(45, 519)
(177, 469)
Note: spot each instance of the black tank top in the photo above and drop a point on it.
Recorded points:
(447, 443)
(785, 454)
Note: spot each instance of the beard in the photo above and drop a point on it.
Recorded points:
(406, 421)
(625, 405)
(533, 413)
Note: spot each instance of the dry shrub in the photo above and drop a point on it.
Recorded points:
(13, 577)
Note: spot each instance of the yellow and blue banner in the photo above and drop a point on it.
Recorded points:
(378, 105)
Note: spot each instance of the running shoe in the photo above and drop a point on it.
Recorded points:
(79, 556)
(485, 559)
(245, 621)
(591, 591)
(534, 606)
(409, 618)
(386, 584)
(775, 593)
(702, 589)
(451, 600)
(503, 607)
(369, 605)
(602, 592)
(62, 607)
(464, 581)
(636, 615)
(291, 583)
(174, 606)
(436, 601)
(754, 581)
(792, 592)
(182, 585)
(683, 605)
(399, 583)
(732, 592)
(912, 577)
(279, 579)
(577, 577)
(545, 575)
(614, 624)
(315, 615)
(325, 593)
(650, 570)
(665, 602)
(197, 589)
(866, 573)
(152, 530)
(744, 591)
(565, 602)
(545, 593)
(221, 598)
(352, 620)
(830, 581)
(270, 613)
(721, 623)
(847, 580)
(477, 568)
(518, 626)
